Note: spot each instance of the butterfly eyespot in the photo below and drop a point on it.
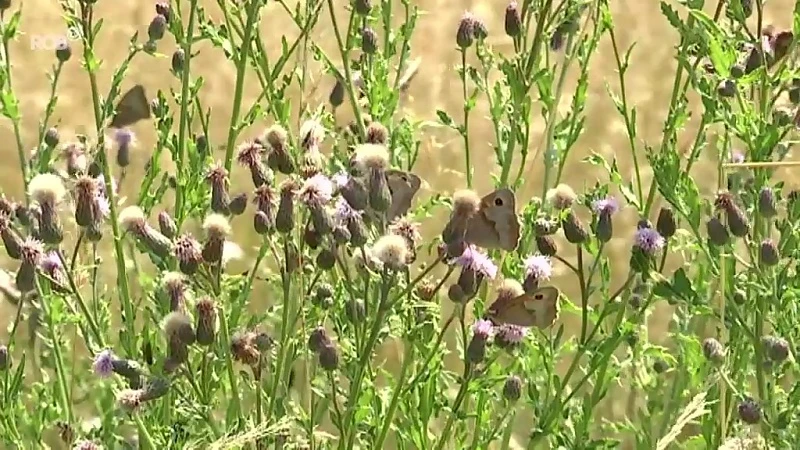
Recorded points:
(404, 178)
(538, 296)
(498, 202)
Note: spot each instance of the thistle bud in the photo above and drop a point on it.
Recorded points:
(573, 229)
(64, 52)
(513, 21)
(279, 159)
(476, 350)
(713, 350)
(776, 348)
(660, 366)
(133, 221)
(726, 89)
(546, 245)
(244, 350)
(5, 358)
(329, 357)
(48, 191)
(456, 294)
(175, 288)
(341, 235)
(157, 27)
(51, 137)
(87, 207)
(465, 35)
(178, 62)
(362, 7)
(217, 229)
(749, 411)
(311, 237)
(206, 324)
(766, 203)
(11, 240)
(167, 225)
(250, 155)
(737, 221)
(369, 41)
(512, 389)
(717, 232)
(75, 156)
(32, 252)
(188, 252)
(665, 224)
(336, 97)
(326, 259)
(354, 191)
(284, 220)
(318, 339)
(768, 253)
(164, 9)
(323, 296)
(217, 177)
(358, 231)
(238, 204)
(128, 369)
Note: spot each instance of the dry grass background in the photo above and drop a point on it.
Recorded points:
(436, 87)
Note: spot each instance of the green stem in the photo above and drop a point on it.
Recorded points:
(465, 131)
(462, 394)
(344, 51)
(57, 355)
(399, 388)
(188, 39)
(23, 163)
(241, 68)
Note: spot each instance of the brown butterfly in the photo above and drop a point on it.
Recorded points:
(403, 186)
(536, 309)
(495, 225)
(132, 108)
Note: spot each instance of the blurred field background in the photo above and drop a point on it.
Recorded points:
(437, 86)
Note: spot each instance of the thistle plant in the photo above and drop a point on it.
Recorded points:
(377, 309)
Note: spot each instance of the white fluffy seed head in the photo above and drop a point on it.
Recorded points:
(391, 250)
(372, 156)
(47, 188)
(131, 218)
(216, 226)
(561, 196)
(466, 202)
(176, 323)
(172, 279)
(509, 289)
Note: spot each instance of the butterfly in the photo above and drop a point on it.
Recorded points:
(403, 186)
(538, 308)
(132, 107)
(494, 226)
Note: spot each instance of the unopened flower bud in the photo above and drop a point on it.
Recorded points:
(512, 389)
(323, 296)
(358, 231)
(362, 7)
(318, 339)
(167, 225)
(188, 252)
(51, 137)
(326, 259)
(180, 334)
(717, 232)
(749, 411)
(336, 97)
(665, 224)
(355, 193)
(465, 35)
(766, 203)
(279, 158)
(713, 350)
(5, 358)
(768, 253)
(726, 88)
(155, 388)
(573, 229)
(775, 348)
(369, 41)
(513, 21)
(546, 245)
(206, 312)
(328, 358)
(238, 204)
(178, 62)
(218, 179)
(157, 27)
(217, 229)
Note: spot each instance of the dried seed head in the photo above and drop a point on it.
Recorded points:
(513, 21)
(87, 208)
(167, 225)
(243, 348)
(316, 191)
(665, 224)
(749, 411)
(206, 313)
(130, 400)
(392, 251)
(216, 226)
(766, 203)
(175, 287)
(561, 197)
(377, 134)
(47, 189)
(178, 326)
(465, 203)
(188, 252)
(713, 350)
(132, 219)
(509, 289)
(318, 339)
(512, 389)
(769, 254)
(717, 232)
(217, 177)
(372, 156)
(250, 155)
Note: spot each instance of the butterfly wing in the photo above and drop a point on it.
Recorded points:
(404, 187)
(132, 108)
(538, 309)
(496, 225)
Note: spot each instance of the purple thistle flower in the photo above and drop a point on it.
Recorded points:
(482, 329)
(538, 267)
(605, 206)
(737, 157)
(123, 137)
(50, 263)
(103, 363)
(648, 240)
(101, 185)
(102, 205)
(344, 212)
(474, 260)
(510, 334)
(341, 179)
